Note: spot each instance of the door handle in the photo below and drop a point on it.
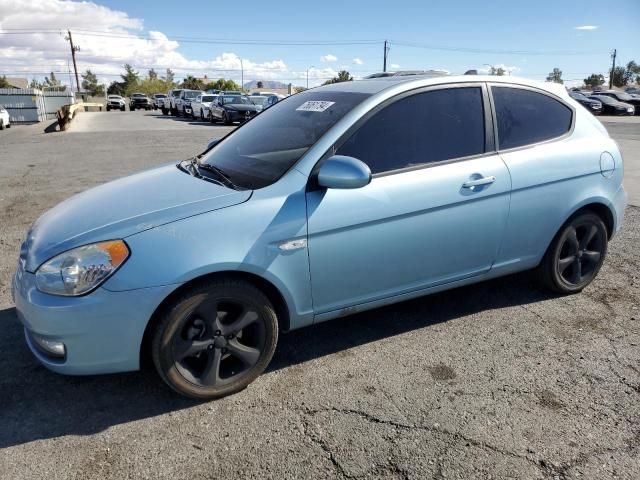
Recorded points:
(478, 182)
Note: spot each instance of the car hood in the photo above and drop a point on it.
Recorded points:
(122, 208)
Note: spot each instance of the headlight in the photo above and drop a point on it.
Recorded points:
(81, 269)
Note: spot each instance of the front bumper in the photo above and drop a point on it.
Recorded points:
(236, 116)
(102, 332)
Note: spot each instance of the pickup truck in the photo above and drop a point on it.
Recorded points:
(183, 102)
(140, 100)
(170, 102)
(158, 100)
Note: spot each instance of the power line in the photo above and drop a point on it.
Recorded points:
(227, 41)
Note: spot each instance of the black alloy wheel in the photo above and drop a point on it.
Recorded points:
(576, 254)
(215, 339)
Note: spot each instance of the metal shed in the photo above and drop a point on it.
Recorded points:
(28, 105)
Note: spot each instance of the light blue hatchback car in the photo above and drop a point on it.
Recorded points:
(336, 200)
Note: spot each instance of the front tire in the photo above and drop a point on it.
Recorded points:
(575, 255)
(1, 124)
(215, 339)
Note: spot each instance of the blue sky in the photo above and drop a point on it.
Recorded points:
(508, 33)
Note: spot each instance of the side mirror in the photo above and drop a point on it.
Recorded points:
(340, 171)
(212, 143)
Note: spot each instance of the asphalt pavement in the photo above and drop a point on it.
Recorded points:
(495, 380)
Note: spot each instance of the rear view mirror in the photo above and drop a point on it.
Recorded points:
(340, 171)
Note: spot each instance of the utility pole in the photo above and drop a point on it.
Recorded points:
(386, 52)
(74, 49)
(241, 75)
(613, 67)
(308, 75)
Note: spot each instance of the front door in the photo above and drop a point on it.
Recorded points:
(434, 212)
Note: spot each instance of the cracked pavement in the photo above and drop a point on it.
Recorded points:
(495, 380)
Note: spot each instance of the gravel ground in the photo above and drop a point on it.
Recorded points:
(497, 380)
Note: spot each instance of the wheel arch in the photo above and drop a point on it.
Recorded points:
(272, 292)
(600, 208)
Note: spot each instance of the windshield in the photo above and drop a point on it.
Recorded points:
(578, 96)
(261, 151)
(208, 98)
(114, 97)
(624, 96)
(191, 94)
(160, 95)
(175, 93)
(138, 95)
(605, 99)
(235, 99)
(257, 100)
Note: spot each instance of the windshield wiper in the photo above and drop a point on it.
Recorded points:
(219, 172)
(191, 167)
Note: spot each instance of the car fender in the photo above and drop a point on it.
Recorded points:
(247, 237)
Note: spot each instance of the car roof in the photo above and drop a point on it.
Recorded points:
(402, 83)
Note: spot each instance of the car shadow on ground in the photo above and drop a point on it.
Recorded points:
(37, 404)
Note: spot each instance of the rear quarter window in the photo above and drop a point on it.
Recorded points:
(526, 117)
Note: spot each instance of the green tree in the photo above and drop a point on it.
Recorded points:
(52, 83)
(90, 84)
(343, 76)
(619, 76)
(130, 78)
(116, 88)
(4, 83)
(153, 75)
(169, 76)
(632, 72)
(260, 84)
(497, 71)
(222, 84)
(193, 83)
(299, 89)
(555, 76)
(594, 80)
(35, 84)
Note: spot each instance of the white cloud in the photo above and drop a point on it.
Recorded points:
(328, 58)
(123, 41)
(586, 27)
(394, 65)
(357, 61)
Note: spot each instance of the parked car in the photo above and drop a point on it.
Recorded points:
(632, 90)
(200, 106)
(622, 97)
(4, 118)
(140, 100)
(183, 102)
(170, 105)
(115, 102)
(258, 101)
(158, 100)
(591, 104)
(337, 200)
(232, 108)
(611, 106)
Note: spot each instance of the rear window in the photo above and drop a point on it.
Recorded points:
(526, 117)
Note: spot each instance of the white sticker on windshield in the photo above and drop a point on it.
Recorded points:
(314, 106)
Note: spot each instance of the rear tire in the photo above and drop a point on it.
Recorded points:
(215, 339)
(575, 255)
(225, 119)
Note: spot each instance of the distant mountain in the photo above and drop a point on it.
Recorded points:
(266, 84)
